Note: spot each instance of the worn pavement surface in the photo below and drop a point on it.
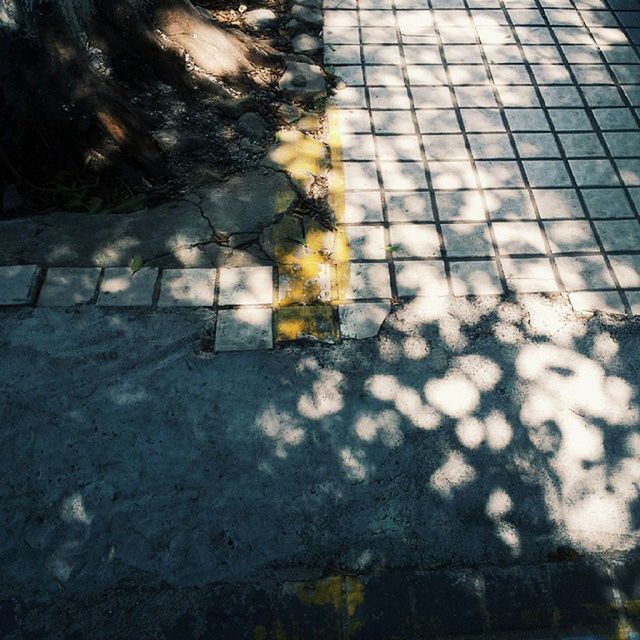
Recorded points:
(151, 490)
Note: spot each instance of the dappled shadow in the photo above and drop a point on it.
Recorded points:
(467, 433)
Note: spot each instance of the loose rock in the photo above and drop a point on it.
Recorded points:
(307, 15)
(260, 18)
(303, 81)
(305, 43)
(252, 125)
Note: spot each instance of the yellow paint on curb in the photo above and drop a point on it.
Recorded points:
(315, 270)
(325, 591)
(315, 322)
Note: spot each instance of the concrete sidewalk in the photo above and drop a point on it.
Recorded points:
(477, 436)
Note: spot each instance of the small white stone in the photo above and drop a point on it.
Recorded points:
(122, 288)
(244, 329)
(69, 286)
(246, 285)
(362, 319)
(16, 284)
(187, 288)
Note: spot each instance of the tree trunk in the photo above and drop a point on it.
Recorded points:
(62, 64)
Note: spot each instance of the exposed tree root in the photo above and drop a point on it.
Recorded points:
(55, 97)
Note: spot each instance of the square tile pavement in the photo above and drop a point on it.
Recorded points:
(187, 288)
(17, 284)
(67, 287)
(246, 286)
(122, 288)
(244, 329)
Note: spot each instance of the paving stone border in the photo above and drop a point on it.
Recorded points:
(248, 301)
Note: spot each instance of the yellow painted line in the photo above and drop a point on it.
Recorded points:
(304, 310)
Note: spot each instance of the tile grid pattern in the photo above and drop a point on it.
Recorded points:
(543, 115)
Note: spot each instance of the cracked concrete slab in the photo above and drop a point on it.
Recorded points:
(67, 239)
(246, 203)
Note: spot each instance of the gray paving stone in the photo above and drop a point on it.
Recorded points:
(623, 143)
(361, 280)
(586, 74)
(608, 203)
(599, 96)
(399, 148)
(593, 173)
(509, 204)
(604, 301)
(510, 74)
(17, 284)
(403, 176)
(519, 238)
(634, 302)
(627, 270)
(426, 75)
(187, 288)
(351, 75)
(362, 319)
(414, 240)
(475, 277)
(547, 173)
(496, 174)
(358, 147)
(354, 121)
(529, 275)
(578, 145)
(560, 96)
(584, 272)
(360, 175)
(482, 120)
(452, 175)
(449, 146)
(527, 120)
(612, 119)
(570, 120)
(392, 122)
(490, 145)
(434, 121)
(475, 96)
(432, 98)
(459, 206)
(246, 285)
(69, 286)
(366, 242)
(467, 240)
(570, 235)
(409, 207)
(619, 235)
(536, 145)
(422, 279)
(520, 96)
(122, 288)
(244, 329)
(558, 203)
(629, 171)
(363, 206)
